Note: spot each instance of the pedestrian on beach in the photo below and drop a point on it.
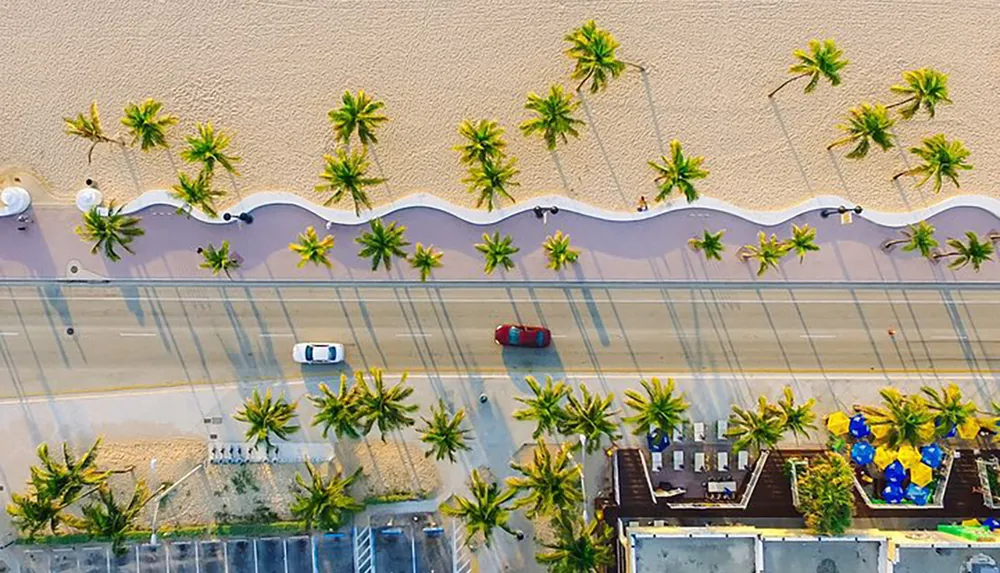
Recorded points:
(643, 206)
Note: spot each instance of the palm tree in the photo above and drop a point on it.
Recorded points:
(659, 412)
(64, 481)
(553, 117)
(111, 520)
(484, 512)
(209, 148)
(756, 430)
(497, 251)
(267, 416)
(425, 260)
(797, 419)
(338, 412)
(196, 192)
(924, 88)
(803, 241)
(906, 418)
(147, 127)
(443, 433)
(590, 416)
(822, 61)
(866, 124)
(109, 231)
(678, 172)
(346, 175)
(552, 482)
(324, 503)
(975, 252)
(33, 512)
(89, 127)
(919, 237)
(483, 140)
(491, 180)
(950, 410)
(545, 406)
(382, 243)
(941, 159)
(312, 249)
(384, 407)
(219, 260)
(558, 251)
(593, 51)
(709, 243)
(768, 253)
(578, 547)
(357, 113)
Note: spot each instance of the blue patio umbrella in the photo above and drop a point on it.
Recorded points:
(895, 472)
(938, 422)
(992, 523)
(859, 426)
(893, 493)
(657, 441)
(862, 453)
(931, 454)
(917, 494)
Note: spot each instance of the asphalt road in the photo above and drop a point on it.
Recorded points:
(145, 336)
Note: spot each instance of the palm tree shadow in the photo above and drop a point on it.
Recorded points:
(562, 174)
(604, 151)
(840, 174)
(130, 166)
(791, 146)
(381, 173)
(652, 111)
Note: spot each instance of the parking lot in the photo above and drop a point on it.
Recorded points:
(401, 544)
(332, 553)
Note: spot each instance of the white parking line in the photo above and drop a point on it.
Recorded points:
(276, 335)
(414, 335)
(10, 333)
(952, 337)
(818, 336)
(136, 334)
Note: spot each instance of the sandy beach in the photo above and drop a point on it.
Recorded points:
(269, 71)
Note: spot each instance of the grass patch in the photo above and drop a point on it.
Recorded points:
(395, 497)
(215, 530)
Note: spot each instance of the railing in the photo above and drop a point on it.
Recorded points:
(744, 499)
(983, 468)
(936, 502)
(645, 474)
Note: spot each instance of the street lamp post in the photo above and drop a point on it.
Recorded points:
(583, 473)
(825, 213)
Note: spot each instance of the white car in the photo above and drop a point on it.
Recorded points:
(318, 353)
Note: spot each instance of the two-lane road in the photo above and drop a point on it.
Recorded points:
(143, 336)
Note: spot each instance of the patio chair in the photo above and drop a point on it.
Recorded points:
(699, 462)
(657, 461)
(723, 461)
(723, 427)
(699, 431)
(678, 460)
(678, 434)
(742, 460)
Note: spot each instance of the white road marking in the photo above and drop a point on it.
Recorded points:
(277, 335)
(414, 335)
(136, 334)
(817, 336)
(10, 333)
(559, 336)
(952, 337)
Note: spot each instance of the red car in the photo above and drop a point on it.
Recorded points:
(522, 336)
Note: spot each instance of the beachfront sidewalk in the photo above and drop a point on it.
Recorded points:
(652, 249)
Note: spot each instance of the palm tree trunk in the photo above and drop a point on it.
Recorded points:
(887, 245)
(841, 141)
(936, 256)
(901, 173)
(639, 67)
(899, 103)
(579, 87)
(785, 83)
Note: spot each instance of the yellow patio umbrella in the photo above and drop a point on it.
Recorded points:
(908, 456)
(880, 431)
(926, 432)
(968, 429)
(921, 474)
(884, 456)
(838, 423)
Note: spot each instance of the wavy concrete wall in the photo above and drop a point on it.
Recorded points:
(481, 217)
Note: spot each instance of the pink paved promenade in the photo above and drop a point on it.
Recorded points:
(651, 250)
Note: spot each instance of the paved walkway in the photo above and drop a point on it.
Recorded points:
(650, 250)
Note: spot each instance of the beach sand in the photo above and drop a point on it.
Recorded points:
(235, 493)
(269, 71)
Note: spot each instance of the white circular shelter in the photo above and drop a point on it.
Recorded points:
(16, 200)
(88, 198)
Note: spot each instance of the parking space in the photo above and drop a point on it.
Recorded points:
(433, 549)
(239, 555)
(270, 555)
(93, 560)
(334, 553)
(152, 559)
(393, 549)
(124, 563)
(211, 557)
(181, 557)
(299, 550)
(63, 561)
(35, 562)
